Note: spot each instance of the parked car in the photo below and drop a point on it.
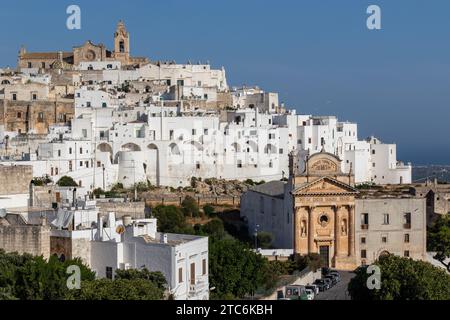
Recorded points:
(336, 275)
(321, 284)
(296, 292)
(328, 281)
(309, 294)
(332, 278)
(314, 288)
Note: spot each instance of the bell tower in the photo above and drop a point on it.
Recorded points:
(122, 44)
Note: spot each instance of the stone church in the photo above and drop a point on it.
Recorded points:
(88, 52)
(319, 210)
(324, 208)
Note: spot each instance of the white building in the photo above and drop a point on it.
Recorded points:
(107, 244)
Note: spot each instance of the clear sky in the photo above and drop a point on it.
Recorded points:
(319, 55)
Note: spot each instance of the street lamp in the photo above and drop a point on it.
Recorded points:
(256, 236)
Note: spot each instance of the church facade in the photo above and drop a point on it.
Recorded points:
(324, 209)
(319, 210)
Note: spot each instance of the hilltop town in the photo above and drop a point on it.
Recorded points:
(96, 145)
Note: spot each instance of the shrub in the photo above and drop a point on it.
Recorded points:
(67, 181)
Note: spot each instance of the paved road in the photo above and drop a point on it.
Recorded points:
(339, 291)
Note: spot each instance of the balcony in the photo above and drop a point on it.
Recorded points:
(407, 225)
(364, 227)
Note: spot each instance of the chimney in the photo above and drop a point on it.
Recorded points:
(163, 238)
(60, 56)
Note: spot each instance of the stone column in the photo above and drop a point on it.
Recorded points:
(351, 230)
(336, 231)
(310, 230)
(295, 230)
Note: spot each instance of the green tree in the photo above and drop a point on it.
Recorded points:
(132, 274)
(170, 219)
(67, 181)
(402, 279)
(264, 240)
(209, 210)
(189, 206)
(234, 270)
(213, 228)
(439, 240)
(118, 289)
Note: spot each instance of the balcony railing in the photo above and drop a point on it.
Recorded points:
(407, 225)
(364, 227)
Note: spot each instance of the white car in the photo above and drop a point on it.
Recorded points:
(309, 294)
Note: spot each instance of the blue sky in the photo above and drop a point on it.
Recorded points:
(318, 55)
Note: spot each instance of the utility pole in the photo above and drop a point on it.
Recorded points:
(103, 177)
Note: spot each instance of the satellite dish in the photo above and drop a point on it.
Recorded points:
(120, 229)
(2, 213)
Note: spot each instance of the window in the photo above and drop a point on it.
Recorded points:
(192, 273)
(109, 272)
(14, 96)
(204, 267)
(171, 134)
(56, 171)
(70, 150)
(322, 141)
(239, 164)
(386, 218)
(384, 239)
(84, 133)
(364, 220)
(194, 132)
(281, 151)
(309, 140)
(33, 96)
(43, 65)
(30, 65)
(373, 164)
(406, 253)
(19, 115)
(407, 238)
(363, 240)
(363, 254)
(205, 132)
(180, 275)
(122, 46)
(59, 153)
(104, 105)
(197, 165)
(41, 117)
(407, 220)
(81, 150)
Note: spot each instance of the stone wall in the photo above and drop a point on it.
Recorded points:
(134, 209)
(35, 116)
(15, 179)
(201, 200)
(34, 240)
